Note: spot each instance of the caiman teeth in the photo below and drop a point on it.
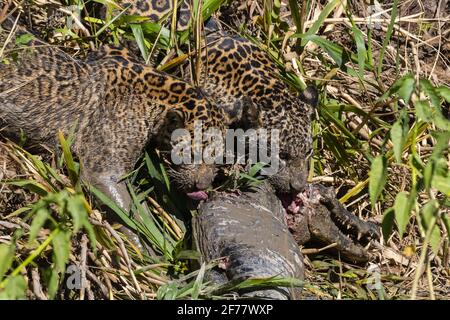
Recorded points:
(359, 236)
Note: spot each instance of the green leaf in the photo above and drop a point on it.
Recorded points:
(446, 219)
(255, 169)
(140, 39)
(442, 140)
(114, 207)
(336, 52)
(14, 289)
(167, 292)
(388, 223)
(53, 283)
(402, 211)
(70, 163)
(6, 258)
(398, 136)
(318, 23)
(444, 92)
(188, 254)
(24, 39)
(431, 92)
(423, 110)
(403, 87)
(198, 282)
(377, 179)
(149, 227)
(442, 183)
(30, 185)
(388, 35)
(435, 239)
(429, 211)
(61, 250)
(361, 49)
(77, 209)
(41, 215)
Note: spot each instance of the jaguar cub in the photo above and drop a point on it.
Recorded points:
(114, 105)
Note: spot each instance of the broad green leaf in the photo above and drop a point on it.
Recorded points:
(446, 219)
(406, 88)
(77, 209)
(428, 174)
(76, 206)
(435, 239)
(402, 211)
(388, 223)
(440, 121)
(61, 249)
(15, 288)
(377, 179)
(167, 292)
(398, 139)
(24, 38)
(403, 87)
(423, 110)
(442, 183)
(431, 92)
(444, 92)
(53, 283)
(40, 216)
(6, 258)
(255, 169)
(429, 211)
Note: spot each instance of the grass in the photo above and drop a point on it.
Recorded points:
(381, 139)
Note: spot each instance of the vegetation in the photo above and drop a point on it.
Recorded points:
(381, 138)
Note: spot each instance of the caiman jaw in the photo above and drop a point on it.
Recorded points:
(329, 222)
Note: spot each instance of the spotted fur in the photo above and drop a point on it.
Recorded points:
(238, 75)
(158, 10)
(113, 104)
(242, 79)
